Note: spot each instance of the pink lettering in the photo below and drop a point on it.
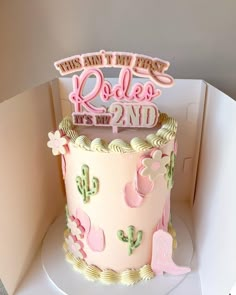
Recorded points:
(161, 79)
(121, 91)
(77, 97)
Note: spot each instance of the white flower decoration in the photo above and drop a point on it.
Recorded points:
(155, 165)
(75, 228)
(75, 246)
(57, 143)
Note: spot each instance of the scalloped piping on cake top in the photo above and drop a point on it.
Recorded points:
(160, 138)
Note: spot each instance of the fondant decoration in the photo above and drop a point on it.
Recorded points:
(154, 165)
(96, 239)
(63, 166)
(175, 147)
(132, 198)
(136, 191)
(151, 165)
(57, 143)
(170, 171)
(130, 238)
(94, 235)
(84, 219)
(143, 184)
(164, 221)
(109, 276)
(75, 227)
(83, 184)
(75, 246)
(169, 126)
(162, 255)
(133, 105)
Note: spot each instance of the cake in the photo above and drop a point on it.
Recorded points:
(118, 164)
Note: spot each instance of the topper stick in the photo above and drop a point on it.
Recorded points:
(115, 129)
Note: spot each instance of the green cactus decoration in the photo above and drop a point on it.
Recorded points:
(169, 176)
(132, 243)
(83, 184)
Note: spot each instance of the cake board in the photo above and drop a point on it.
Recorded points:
(69, 281)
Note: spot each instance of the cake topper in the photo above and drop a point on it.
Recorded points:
(132, 104)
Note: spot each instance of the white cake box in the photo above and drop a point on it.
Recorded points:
(32, 191)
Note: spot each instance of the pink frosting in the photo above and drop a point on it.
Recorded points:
(107, 209)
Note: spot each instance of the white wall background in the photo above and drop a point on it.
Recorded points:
(197, 37)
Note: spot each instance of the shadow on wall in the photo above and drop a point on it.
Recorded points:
(46, 31)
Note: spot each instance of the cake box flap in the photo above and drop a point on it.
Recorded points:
(30, 181)
(215, 200)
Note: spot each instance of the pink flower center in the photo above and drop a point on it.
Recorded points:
(155, 166)
(56, 143)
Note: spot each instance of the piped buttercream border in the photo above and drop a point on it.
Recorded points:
(108, 276)
(161, 137)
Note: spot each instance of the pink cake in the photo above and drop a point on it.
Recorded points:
(118, 164)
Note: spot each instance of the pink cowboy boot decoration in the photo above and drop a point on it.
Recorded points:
(162, 255)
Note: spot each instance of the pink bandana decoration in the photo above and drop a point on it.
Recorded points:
(132, 104)
(75, 246)
(96, 239)
(162, 255)
(84, 219)
(150, 166)
(136, 191)
(57, 143)
(143, 184)
(95, 235)
(132, 198)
